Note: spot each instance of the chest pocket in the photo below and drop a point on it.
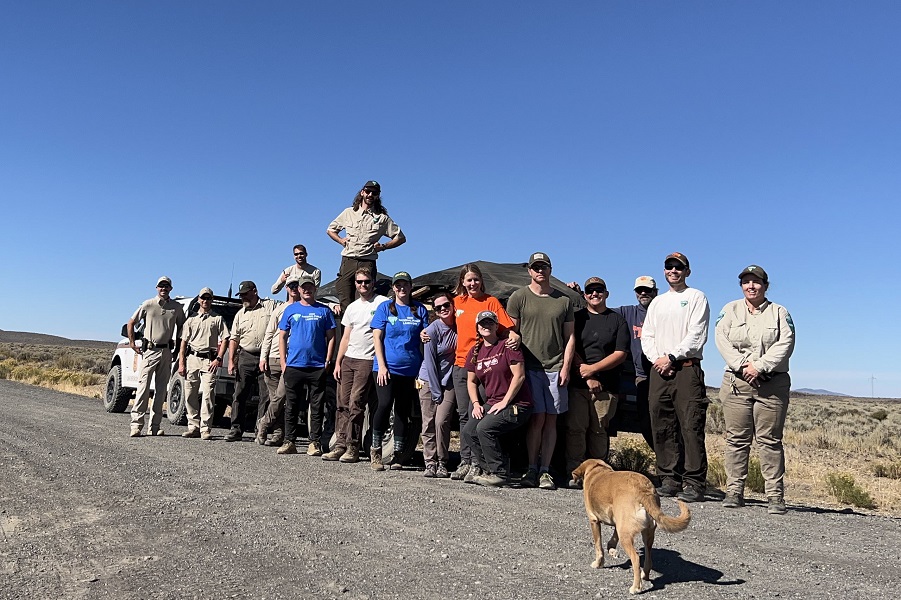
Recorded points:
(769, 335)
(738, 333)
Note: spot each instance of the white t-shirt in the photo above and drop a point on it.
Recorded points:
(358, 316)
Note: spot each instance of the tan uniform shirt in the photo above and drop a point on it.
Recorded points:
(270, 342)
(204, 330)
(249, 326)
(765, 338)
(160, 319)
(364, 229)
(296, 270)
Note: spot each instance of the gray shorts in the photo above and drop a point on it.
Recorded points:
(548, 396)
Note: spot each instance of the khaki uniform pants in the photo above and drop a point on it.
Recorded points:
(586, 425)
(275, 410)
(200, 393)
(755, 413)
(155, 364)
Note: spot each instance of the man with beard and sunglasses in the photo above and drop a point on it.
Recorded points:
(673, 338)
(301, 266)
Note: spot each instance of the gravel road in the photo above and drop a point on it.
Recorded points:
(87, 512)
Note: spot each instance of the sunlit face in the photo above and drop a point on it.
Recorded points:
(300, 255)
(754, 289)
(675, 272)
(596, 296)
(487, 328)
(644, 295)
(308, 292)
(206, 301)
(444, 307)
(249, 298)
(294, 291)
(473, 284)
(540, 272)
(368, 196)
(163, 290)
(402, 289)
(363, 281)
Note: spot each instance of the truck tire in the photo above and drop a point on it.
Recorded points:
(177, 408)
(116, 397)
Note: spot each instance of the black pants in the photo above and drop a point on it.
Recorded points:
(304, 388)
(678, 406)
(401, 394)
(249, 378)
(642, 386)
(484, 437)
(345, 286)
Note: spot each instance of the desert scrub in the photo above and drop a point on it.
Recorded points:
(755, 481)
(889, 471)
(716, 421)
(879, 415)
(632, 455)
(716, 472)
(846, 490)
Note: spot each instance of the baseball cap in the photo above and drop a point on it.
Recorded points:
(677, 256)
(401, 276)
(372, 185)
(755, 270)
(538, 257)
(305, 278)
(205, 290)
(292, 279)
(486, 315)
(594, 281)
(246, 286)
(163, 280)
(645, 281)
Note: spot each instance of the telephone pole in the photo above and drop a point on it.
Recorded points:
(872, 387)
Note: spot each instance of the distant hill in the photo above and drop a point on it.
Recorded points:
(819, 392)
(44, 339)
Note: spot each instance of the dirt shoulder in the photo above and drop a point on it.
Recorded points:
(87, 512)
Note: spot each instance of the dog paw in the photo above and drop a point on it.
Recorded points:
(634, 590)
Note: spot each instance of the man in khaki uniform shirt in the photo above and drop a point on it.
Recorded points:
(161, 315)
(364, 224)
(245, 349)
(301, 266)
(203, 344)
(274, 418)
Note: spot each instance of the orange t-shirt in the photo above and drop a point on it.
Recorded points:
(468, 308)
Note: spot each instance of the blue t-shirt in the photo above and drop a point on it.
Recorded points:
(306, 327)
(403, 348)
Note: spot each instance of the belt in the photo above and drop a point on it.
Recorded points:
(208, 354)
(254, 352)
(688, 362)
(148, 345)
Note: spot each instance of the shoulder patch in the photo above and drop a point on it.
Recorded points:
(788, 319)
(720, 316)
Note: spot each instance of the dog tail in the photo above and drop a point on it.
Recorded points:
(669, 524)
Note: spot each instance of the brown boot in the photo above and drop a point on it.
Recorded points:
(335, 454)
(351, 455)
(375, 456)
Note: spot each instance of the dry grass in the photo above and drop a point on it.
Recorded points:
(72, 370)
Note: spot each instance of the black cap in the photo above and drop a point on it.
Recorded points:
(755, 270)
(372, 185)
(245, 287)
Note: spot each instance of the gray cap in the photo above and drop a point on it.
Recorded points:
(163, 280)
(205, 290)
(486, 315)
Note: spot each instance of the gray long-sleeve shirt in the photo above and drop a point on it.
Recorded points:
(438, 358)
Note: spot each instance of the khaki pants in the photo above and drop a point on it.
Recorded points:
(353, 394)
(586, 425)
(200, 393)
(755, 413)
(155, 364)
(274, 417)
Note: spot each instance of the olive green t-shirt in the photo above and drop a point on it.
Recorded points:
(541, 320)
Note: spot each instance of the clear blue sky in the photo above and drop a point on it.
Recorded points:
(180, 138)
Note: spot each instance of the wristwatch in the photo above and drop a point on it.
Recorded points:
(672, 358)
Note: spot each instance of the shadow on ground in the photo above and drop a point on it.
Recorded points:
(672, 568)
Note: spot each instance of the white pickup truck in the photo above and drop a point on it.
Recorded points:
(122, 380)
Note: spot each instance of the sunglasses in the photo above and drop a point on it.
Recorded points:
(206, 297)
(299, 253)
(674, 267)
(540, 267)
(293, 285)
(644, 291)
(445, 306)
(364, 281)
(165, 286)
(595, 290)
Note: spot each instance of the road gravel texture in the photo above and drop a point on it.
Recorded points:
(87, 512)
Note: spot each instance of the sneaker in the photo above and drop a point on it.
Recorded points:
(733, 501)
(546, 482)
(669, 488)
(441, 472)
(691, 494)
(206, 435)
(287, 448)
(461, 472)
(474, 471)
(135, 431)
(335, 454)
(530, 479)
(157, 432)
(191, 433)
(776, 506)
(491, 480)
(351, 455)
(375, 458)
(574, 485)
(430, 471)
(314, 449)
(234, 435)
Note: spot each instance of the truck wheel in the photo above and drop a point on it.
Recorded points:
(177, 408)
(116, 397)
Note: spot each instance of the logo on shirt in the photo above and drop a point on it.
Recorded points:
(392, 320)
(683, 303)
(459, 312)
(485, 365)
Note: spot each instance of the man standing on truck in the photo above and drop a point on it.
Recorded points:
(203, 344)
(673, 338)
(245, 348)
(295, 270)
(161, 315)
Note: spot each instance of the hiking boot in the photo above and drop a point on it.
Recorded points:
(491, 480)
(375, 457)
(441, 472)
(461, 472)
(157, 432)
(691, 494)
(430, 471)
(474, 471)
(287, 448)
(733, 501)
(135, 431)
(776, 506)
(335, 454)
(206, 435)
(351, 455)
(276, 439)
(234, 435)
(314, 449)
(530, 479)
(191, 433)
(669, 488)
(546, 482)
